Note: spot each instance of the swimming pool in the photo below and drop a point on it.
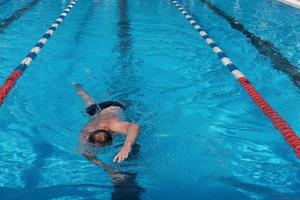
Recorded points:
(202, 136)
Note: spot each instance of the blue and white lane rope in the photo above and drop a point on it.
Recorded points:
(15, 75)
(279, 123)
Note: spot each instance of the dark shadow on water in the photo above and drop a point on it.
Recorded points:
(264, 47)
(4, 2)
(43, 151)
(76, 43)
(123, 83)
(125, 186)
(125, 38)
(5, 23)
(85, 21)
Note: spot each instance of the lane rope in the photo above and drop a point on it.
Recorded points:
(18, 71)
(278, 122)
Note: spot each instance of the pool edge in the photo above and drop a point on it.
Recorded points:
(293, 3)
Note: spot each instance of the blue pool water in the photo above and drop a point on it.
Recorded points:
(202, 136)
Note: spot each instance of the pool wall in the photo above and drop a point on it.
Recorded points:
(294, 3)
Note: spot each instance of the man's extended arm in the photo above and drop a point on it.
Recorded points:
(131, 131)
(99, 163)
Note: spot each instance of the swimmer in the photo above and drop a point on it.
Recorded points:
(104, 122)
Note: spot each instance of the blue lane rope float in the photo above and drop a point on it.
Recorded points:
(16, 74)
(279, 123)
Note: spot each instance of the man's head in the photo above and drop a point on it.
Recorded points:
(100, 138)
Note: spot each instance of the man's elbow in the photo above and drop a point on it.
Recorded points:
(136, 128)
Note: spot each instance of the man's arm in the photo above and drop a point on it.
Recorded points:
(98, 162)
(83, 94)
(131, 131)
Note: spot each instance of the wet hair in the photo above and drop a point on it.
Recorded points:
(105, 137)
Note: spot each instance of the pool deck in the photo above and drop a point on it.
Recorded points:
(294, 3)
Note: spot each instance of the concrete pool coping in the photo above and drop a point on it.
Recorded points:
(294, 3)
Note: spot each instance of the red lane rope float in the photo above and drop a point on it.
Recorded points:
(279, 123)
(9, 84)
(15, 75)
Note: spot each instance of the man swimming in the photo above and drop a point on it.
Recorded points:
(104, 122)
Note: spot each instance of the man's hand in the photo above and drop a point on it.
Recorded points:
(123, 154)
(131, 130)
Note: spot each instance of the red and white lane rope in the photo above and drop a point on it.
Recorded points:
(17, 73)
(279, 123)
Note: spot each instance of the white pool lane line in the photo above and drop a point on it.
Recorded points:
(278, 122)
(294, 3)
